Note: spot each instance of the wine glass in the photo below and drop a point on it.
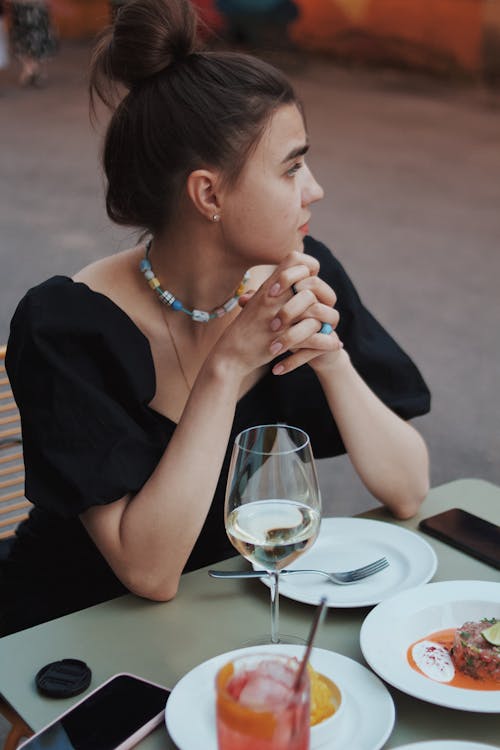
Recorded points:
(272, 511)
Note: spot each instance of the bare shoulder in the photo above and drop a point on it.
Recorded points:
(118, 278)
(109, 274)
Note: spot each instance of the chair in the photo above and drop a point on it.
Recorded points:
(13, 509)
(13, 505)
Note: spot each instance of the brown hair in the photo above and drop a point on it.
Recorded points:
(184, 109)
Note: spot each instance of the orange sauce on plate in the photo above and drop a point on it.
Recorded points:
(460, 680)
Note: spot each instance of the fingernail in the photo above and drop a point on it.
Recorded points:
(275, 324)
(276, 347)
(278, 369)
(275, 290)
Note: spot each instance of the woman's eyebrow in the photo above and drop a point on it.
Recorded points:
(300, 151)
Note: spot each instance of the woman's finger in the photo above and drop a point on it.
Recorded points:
(301, 357)
(303, 306)
(322, 291)
(296, 267)
(304, 334)
(246, 297)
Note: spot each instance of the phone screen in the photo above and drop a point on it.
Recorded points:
(105, 718)
(468, 532)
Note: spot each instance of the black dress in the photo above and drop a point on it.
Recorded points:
(83, 377)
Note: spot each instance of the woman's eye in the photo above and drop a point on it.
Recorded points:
(293, 170)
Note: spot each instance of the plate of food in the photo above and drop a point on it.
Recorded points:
(346, 543)
(439, 642)
(364, 718)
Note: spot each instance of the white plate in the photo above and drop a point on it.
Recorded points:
(365, 724)
(345, 543)
(445, 745)
(395, 624)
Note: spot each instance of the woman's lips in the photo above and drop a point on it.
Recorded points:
(304, 228)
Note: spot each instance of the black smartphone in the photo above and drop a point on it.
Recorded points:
(115, 716)
(467, 532)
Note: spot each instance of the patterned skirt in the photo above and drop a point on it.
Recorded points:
(31, 31)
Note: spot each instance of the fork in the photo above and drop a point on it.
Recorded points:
(341, 577)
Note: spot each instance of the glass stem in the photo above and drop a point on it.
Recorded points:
(275, 606)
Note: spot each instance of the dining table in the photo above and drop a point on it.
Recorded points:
(163, 641)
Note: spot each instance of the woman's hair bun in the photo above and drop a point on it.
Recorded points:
(146, 37)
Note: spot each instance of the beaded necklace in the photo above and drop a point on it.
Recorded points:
(167, 298)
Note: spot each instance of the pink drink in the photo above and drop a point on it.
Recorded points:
(257, 708)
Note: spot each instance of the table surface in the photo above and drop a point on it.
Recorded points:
(163, 641)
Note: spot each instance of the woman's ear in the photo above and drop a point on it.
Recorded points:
(202, 188)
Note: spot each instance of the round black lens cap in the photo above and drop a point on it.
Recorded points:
(63, 679)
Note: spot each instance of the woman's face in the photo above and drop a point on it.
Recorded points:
(265, 215)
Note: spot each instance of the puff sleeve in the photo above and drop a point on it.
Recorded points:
(82, 375)
(381, 362)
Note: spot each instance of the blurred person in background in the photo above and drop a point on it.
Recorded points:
(33, 39)
(258, 23)
(4, 41)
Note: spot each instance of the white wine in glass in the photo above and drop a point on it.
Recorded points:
(273, 502)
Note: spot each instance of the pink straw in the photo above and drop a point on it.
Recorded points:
(318, 618)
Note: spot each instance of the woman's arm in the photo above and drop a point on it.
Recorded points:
(147, 538)
(389, 455)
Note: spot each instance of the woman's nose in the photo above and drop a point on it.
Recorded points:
(312, 190)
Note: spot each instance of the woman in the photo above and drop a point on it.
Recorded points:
(134, 377)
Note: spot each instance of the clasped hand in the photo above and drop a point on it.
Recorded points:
(276, 319)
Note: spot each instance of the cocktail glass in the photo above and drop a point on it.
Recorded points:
(258, 705)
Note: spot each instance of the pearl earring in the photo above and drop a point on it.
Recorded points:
(216, 217)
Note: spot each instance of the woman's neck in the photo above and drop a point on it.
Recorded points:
(199, 273)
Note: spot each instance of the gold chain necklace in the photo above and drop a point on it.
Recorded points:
(177, 355)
